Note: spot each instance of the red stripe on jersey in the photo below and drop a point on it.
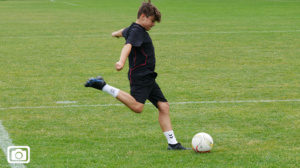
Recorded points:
(134, 67)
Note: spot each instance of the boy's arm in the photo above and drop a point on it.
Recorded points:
(124, 54)
(117, 33)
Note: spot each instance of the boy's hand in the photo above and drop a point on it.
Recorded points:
(119, 66)
(115, 34)
(124, 54)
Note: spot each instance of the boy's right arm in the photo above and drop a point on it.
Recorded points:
(117, 33)
(124, 54)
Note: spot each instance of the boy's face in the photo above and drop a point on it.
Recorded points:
(148, 22)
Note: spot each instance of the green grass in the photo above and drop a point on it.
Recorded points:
(208, 50)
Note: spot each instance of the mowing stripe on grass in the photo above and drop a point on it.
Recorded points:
(62, 20)
(175, 103)
(227, 32)
(167, 33)
(5, 142)
(285, 1)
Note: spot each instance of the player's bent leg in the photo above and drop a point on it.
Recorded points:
(125, 98)
(130, 102)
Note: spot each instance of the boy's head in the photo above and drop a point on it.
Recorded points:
(149, 10)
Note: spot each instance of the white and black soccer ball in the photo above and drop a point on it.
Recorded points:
(202, 142)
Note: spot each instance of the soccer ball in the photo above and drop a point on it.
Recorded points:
(202, 142)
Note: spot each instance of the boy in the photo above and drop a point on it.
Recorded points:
(140, 52)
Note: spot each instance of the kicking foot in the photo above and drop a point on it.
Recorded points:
(97, 83)
(177, 147)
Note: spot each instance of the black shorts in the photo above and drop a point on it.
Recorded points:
(151, 92)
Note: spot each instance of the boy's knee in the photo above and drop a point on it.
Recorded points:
(138, 108)
(163, 107)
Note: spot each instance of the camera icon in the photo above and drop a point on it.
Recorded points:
(18, 154)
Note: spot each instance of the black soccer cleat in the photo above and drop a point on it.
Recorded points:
(177, 147)
(97, 83)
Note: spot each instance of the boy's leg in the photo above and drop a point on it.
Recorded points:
(165, 121)
(130, 102)
(164, 117)
(158, 99)
(125, 98)
(166, 126)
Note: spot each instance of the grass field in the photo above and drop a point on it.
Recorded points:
(230, 68)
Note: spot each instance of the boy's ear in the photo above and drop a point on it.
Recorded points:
(142, 16)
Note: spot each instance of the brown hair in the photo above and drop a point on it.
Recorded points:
(149, 10)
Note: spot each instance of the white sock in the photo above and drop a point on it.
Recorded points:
(170, 137)
(111, 90)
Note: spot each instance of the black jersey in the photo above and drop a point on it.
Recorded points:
(142, 55)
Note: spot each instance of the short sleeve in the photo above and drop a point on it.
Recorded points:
(125, 32)
(135, 36)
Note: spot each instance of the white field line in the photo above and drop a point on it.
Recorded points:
(66, 3)
(174, 103)
(66, 102)
(5, 142)
(71, 4)
(167, 33)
